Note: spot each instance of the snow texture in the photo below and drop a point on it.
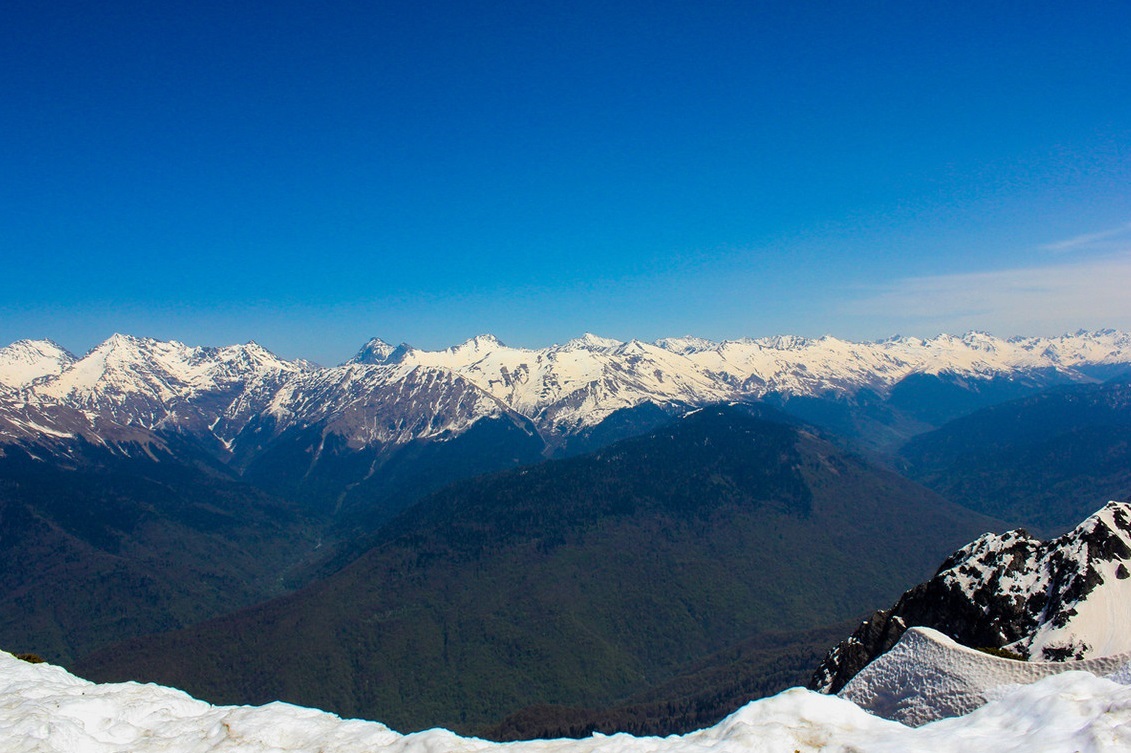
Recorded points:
(43, 709)
(927, 676)
(25, 361)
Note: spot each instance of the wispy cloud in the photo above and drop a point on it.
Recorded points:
(1104, 240)
(1045, 299)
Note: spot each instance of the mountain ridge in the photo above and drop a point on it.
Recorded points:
(1067, 598)
(214, 393)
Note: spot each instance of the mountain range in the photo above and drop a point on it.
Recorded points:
(486, 517)
(238, 400)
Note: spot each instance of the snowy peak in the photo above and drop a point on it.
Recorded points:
(481, 344)
(374, 351)
(591, 342)
(132, 381)
(390, 404)
(1092, 348)
(164, 370)
(1079, 582)
(25, 361)
(1068, 598)
(686, 345)
(784, 342)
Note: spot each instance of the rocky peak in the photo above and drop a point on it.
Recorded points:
(375, 351)
(1068, 598)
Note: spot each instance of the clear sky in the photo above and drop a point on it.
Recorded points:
(310, 174)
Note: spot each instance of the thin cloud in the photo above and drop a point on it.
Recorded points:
(1037, 300)
(1102, 240)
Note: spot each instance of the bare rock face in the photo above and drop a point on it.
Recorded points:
(1064, 599)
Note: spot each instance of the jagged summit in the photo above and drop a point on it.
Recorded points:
(686, 345)
(1081, 580)
(562, 389)
(482, 342)
(590, 341)
(784, 342)
(1068, 598)
(374, 351)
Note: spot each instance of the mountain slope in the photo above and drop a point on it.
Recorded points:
(112, 546)
(1040, 462)
(578, 581)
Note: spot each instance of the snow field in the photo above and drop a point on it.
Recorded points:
(43, 709)
(927, 676)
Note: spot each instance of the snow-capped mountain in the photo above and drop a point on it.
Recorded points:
(22, 362)
(1067, 599)
(388, 404)
(128, 386)
(129, 380)
(567, 387)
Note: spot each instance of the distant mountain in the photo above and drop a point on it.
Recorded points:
(577, 582)
(25, 361)
(236, 400)
(358, 442)
(1041, 461)
(1067, 598)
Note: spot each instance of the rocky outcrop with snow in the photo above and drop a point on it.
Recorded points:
(1067, 599)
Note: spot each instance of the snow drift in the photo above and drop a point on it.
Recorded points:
(928, 676)
(45, 709)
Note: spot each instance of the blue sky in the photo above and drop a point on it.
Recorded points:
(312, 174)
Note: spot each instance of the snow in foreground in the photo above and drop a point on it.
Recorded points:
(43, 708)
(928, 676)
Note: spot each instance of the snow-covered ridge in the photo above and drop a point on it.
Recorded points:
(1066, 599)
(1078, 586)
(22, 362)
(44, 709)
(156, 385)
(566, 387)
(928, 676)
